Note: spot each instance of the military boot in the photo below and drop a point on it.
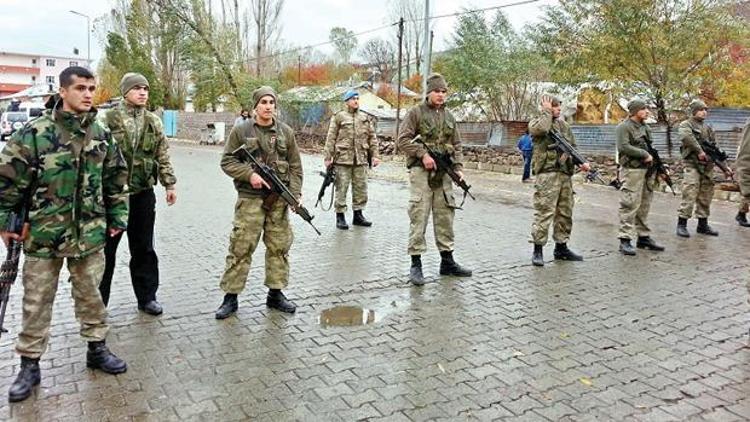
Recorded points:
(563, 253)
(415, 272)
(449, 267)
(228, 307)
(360, 220)
(277, 300)
(27, 378)
(626, 248)
(682, 230)
(646, 242)
(99, 357)
(341, 221)
(704, 228)
(537, 258)
(742, 219)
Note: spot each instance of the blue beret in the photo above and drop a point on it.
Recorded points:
(348, 95)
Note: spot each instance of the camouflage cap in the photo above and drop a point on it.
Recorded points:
(635, 105)
(262, 92)
(436, 81)
(130, 80)
(696, 105)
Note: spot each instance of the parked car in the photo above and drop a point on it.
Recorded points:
(12, 121)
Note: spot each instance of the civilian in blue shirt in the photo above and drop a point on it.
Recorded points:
(525, 146)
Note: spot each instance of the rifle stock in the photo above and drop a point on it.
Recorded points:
(445, 163)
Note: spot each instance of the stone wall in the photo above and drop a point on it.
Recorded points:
(191, 125)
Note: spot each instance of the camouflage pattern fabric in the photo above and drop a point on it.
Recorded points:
(545, 157)
(691, 133)
(744, 205)
(635, 202)
(80, 187)
(697, 192)
(553, 203)
(437, 126)
(424, 200)
(633, 140)
(351, 137)
(250, 221)
(40, 280)
(356, 176)
(140, 135)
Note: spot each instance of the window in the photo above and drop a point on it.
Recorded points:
(51, 62)
(74, 63)
(33, 61)
(50, 79)
(33, 79)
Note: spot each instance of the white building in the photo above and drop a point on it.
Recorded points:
(19, 71)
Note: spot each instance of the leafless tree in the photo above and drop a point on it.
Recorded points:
(266, 14)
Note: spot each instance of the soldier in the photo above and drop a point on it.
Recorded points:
(743, 165)
(744, 202)
(697, 181)
(256, 212)
(140, 135)
(77, 199)
(553, 194)
(431, 191)
(638, 179)
(351, 146)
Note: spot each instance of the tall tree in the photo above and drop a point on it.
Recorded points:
(413, 13)
(266, 15)
(656, 48)
(379, 55)
(344, 41)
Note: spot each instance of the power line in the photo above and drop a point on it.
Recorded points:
(307, 47)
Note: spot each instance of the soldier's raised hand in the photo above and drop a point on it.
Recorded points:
(546, 103)
(257, 182)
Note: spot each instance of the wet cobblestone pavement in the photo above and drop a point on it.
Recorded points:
(655, 337)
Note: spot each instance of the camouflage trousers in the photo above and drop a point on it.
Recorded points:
(744, 205)
(697, 191)
(250, 221)
(425, 200)
(635, 202)
(40, 280)
(356, 176)
(553, 203)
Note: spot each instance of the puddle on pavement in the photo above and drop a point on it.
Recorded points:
(346, 316)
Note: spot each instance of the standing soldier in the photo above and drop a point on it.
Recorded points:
(256, 212)
(431, 190)
(74, 178)
(697, 181)
(639, 179)
(743, 170)
(351, 146)
(140, 135)
(744, 202)
(553, 194)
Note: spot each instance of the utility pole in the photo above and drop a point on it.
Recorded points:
(398, 88)
(425, 45)
(428, 63)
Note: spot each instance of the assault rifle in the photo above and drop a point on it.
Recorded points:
(660, 168)
(717, 155)
(445, 163)
(329, 176)
(564, 147)
(278, 188)
(9, 269)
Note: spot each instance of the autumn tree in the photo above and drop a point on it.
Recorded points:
(379, 55)
(344, 41)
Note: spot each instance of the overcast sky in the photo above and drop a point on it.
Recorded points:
(47, 27)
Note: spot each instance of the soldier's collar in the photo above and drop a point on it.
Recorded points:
(75, 122)
(130, 108)
(433, 106)
(271, 127)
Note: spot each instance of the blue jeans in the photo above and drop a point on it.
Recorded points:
(526, 165)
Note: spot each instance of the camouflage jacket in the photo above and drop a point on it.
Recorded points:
(438, 129)
(277, 148)
(79, 189)
(140, 135)
(633, 141)
(545, 157)
(691, 132)
(743, 162)
(351, 139)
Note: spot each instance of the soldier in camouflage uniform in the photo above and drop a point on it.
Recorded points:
(697, 181)
(638, 179)
(431, 191)
(256, 213)
(76, 179)
(140, 135)
(553, 190)
(744, 207)
(350, 146)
